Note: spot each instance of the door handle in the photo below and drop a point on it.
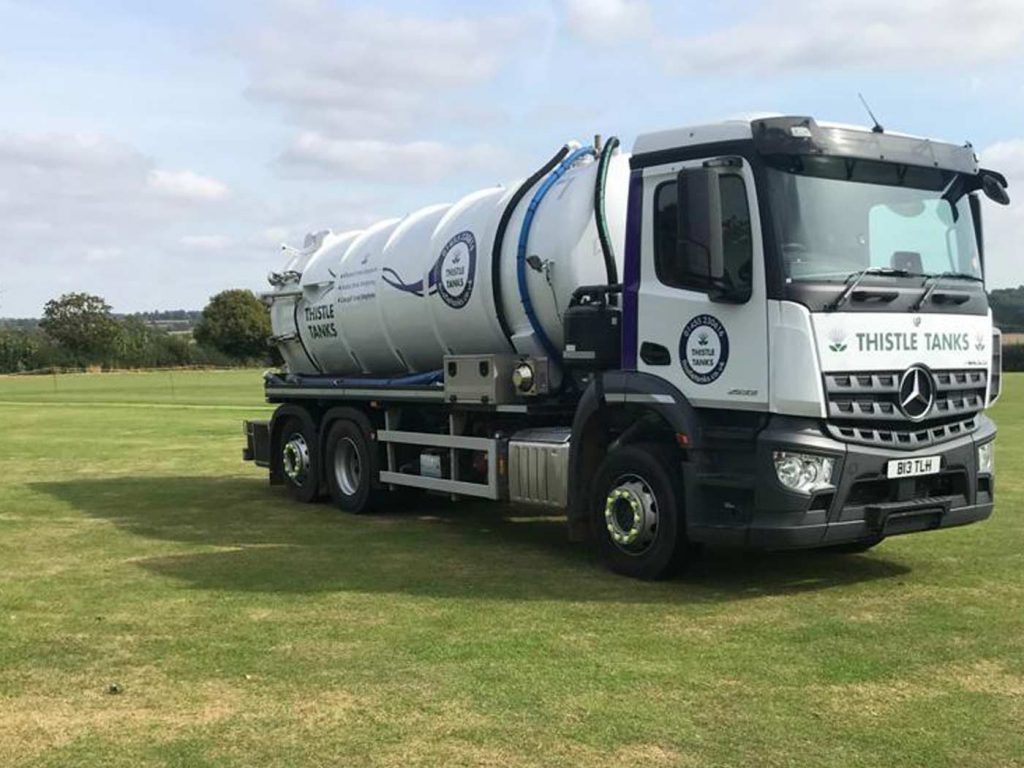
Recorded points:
(654, 354)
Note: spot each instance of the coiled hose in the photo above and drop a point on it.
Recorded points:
(524, 239)
(499, 237)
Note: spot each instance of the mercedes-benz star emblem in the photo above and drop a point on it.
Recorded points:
(917, 393)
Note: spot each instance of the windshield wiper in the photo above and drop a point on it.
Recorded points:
(932, 281)
(855, 278)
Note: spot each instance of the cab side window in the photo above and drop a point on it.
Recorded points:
(666, 237)
(681, 267)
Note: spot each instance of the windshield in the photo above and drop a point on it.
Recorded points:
(836, 216)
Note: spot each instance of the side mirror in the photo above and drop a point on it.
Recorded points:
(699, 245)
(994, 186)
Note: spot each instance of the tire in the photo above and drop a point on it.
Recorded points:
(637, 516)
(297, 454)
(349, 467)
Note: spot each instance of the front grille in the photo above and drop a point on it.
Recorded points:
(863, 407)
(909, 439)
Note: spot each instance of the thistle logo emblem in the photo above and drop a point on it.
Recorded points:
(837, 340)
(979, 342)
(702, 339)
(456, 258)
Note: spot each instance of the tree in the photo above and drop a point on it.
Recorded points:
(142, 345)
(1008, 308)
(236, 323)
(19, 350)
(81, 324)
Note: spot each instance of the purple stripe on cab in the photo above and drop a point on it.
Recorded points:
(631, 270)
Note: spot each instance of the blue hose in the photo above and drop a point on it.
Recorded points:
(524, 238)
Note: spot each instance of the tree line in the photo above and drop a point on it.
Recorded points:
(78, 331)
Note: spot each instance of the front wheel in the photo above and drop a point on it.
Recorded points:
(636, 513)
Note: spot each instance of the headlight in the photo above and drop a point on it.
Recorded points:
(803, 472)
(986, 458)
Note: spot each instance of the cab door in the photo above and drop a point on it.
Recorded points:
(703, 326)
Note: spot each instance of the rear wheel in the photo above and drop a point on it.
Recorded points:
(349, 467)
(636, 513)
(297, 454)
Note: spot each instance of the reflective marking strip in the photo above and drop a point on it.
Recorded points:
(638, 397)
(664, 399)
(436, 440)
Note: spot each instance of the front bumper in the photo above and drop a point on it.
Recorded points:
(863, 505)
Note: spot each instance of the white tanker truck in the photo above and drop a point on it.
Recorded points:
(768, 334)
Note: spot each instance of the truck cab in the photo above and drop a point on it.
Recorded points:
(816, 294)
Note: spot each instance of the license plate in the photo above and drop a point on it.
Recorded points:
(926, 465)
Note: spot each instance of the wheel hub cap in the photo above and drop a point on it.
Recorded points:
(631, 515)
(295, 459)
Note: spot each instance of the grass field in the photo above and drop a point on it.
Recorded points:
(245, 630)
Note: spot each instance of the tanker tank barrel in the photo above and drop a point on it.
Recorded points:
(395, 298)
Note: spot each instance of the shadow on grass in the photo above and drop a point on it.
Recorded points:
(254, 538)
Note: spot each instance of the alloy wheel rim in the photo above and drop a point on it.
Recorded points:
(631, 515)
(347, 467)
(295, 459)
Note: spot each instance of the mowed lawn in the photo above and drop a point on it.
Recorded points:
(138, 550)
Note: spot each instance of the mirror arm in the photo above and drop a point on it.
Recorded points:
(975, 204)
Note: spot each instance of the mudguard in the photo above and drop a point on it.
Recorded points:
(614, 388)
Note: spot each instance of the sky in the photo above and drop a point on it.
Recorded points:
(156, 153)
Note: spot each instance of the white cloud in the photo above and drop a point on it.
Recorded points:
(369, 89)
(1007, 157)
(274, 235)
(58, 151)
(187, 186)
(359, 72)
(382, 161)
(1004, 227)
(809, 35)
(89, 213)
(206, 242)
(68, 200)
(608, 21)
(103, 254)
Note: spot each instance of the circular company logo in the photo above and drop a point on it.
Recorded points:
(704, 349)
(456, 268)
(917, 392)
